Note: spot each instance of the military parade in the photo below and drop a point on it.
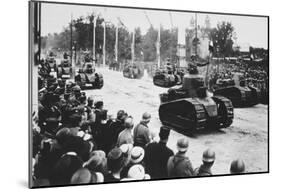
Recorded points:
(116, 104)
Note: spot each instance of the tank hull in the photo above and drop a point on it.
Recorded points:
(89, 81)
(166, 80)
(133, 73)
(192, 114)
(240, 96)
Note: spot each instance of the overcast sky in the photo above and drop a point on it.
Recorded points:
(251, 31)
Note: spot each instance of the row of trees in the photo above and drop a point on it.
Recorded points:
(145, 44)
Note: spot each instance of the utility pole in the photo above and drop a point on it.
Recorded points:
(104, 41)
(133, 46)
(94, 40)
(196, 35)
(71, 41)
(181, 53)
(158, 46)
(116, 44)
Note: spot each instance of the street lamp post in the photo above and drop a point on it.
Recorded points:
(94, 40)
(104, 37)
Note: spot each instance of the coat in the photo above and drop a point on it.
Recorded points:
(156, 159)
(179, 166)
(141, 135)
(202, 171)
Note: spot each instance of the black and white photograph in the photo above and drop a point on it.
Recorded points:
(124, 94)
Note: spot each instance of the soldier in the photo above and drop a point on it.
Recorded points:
(208, 160)
(141, 131)
(157, 155)
(179, 165)
(237, 166)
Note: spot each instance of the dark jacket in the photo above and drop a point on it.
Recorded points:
(179, 166)
(156, 159)
(115, 128)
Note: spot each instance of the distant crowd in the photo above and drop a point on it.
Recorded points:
(254, 75)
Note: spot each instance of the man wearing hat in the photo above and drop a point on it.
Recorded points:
(208, 160)
(126, 136)
(84, 176)
(136, 157)
(157, 155)
(179, 165)
(115, 162)
(141, 131)
(97, 162)
(115, 128)
(137, 172)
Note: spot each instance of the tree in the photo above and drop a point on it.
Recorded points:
(138, 43)
(222, 39)
(168, 48)
(149, 44)
(124, 44)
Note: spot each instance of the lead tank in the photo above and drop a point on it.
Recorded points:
(189, 107)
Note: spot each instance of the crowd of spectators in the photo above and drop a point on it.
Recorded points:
(76, 142)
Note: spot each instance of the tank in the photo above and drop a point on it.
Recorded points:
(189, 108)
(166, 78)
(87, 78)
(51, 61)
(64, 70)
(239, 92)
(133, 72)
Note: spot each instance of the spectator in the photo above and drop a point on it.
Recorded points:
(157, 155)
(136, 157)
(84, 176)
(68, 164)
(116, 127)
(126, 136)
(127, 149)
(141, 131)
(208, 160)
(237, 166)
(97, 162)
(115, 163)
(179, 165)
(137, 172)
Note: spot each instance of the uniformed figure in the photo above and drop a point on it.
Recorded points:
(157, 155)
(179, 165)
(65, 55)
(208, 160)
(141, 131)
